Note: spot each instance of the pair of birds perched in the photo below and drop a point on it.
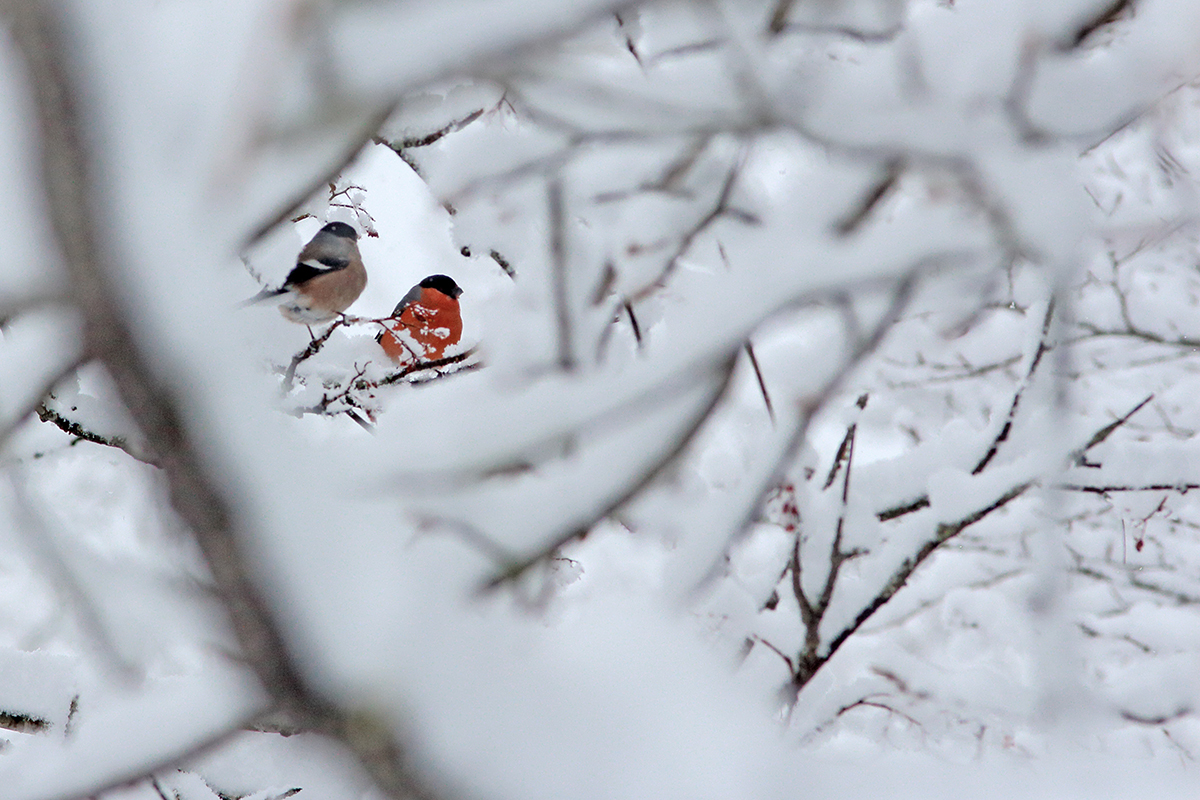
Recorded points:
(329, 275)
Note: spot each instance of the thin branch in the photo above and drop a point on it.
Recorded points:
(1099, 436)
(1108, 14)
(424, 366)
(158, 788)
(503, 263)
(637, 329)
(786, 658)
(556, 211)
(864, 346)
(23, 723)
(945, 531)
(809, 660)
(18, 419)
(73, 428)
(844, 449)
(893, 170)
(360, 139)
(901, 510)
(1141, 719)
(762, 384)
(1043, 347)
(424, 141)
(308, 352)
(1010, 418)
(515, 569)
(721, 208)
(1182, 488)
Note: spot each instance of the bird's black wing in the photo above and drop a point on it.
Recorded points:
(307, 270)
(414, 294)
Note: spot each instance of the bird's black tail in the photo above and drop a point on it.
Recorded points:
(265, 294)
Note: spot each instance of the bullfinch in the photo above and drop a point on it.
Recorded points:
(425, 322)
(329, 275)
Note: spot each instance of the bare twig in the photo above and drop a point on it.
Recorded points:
(633, 323)
(863, 346)
(762, 384)
(1043, 347)
(893, 169)
(1099, 436)
(423, 366)
(808, 661)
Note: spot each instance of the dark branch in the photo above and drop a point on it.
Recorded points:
(1102, 434)
(891, 176)
(1002, 437)
(1110, 13)
(518, 568)
(945, 531)
(762, 384)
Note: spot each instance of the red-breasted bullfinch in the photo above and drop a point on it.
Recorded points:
(425, 322)
(329, 275)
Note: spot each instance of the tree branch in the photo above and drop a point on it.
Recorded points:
(73, 192)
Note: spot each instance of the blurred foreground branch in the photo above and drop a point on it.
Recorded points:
(73, 192)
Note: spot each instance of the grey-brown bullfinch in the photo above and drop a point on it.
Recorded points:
(425, 322)
(329, 275)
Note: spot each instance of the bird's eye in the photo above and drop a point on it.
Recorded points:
(466, 251)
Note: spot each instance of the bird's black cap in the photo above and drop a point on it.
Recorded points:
(444, 284)
(341, 229)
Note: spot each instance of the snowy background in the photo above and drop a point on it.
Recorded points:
(823, 422)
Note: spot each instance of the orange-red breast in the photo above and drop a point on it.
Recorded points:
(425, 322)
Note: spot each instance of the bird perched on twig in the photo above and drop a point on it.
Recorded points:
(425, 322)
(329, 275)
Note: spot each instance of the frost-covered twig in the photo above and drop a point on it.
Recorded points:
(70, 426)
(1099, 436)
(812, 613)
(1182, 487)
(1043, 347)
(943, 533)
(721, 383)
(308, 352)
(721, 208)
(430, 138)
(371, 124)
(1010, 418)
(863, 346)
(18, 419)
